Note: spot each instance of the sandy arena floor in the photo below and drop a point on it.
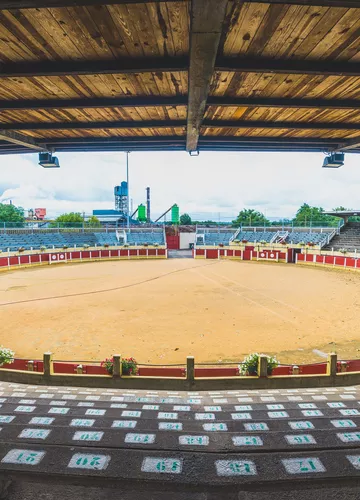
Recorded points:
(163, 311)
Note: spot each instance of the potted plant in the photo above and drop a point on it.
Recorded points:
(125, 245)
(250, 364)
(6, 356)
(156, 244)
(237, 241)
(302, 243)
(106, 245)
(283, 243)
(244, 241)
(86, 246)
(129, 366)
(221, 245)
(343, 250)
(42, 248)
(21, 249)
(146, 244)
(65, 247)
(263, 242)
(311, 244)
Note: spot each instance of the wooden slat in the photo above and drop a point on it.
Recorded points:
(207, 17)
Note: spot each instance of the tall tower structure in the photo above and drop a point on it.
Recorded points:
(121, 197)
(148, 219)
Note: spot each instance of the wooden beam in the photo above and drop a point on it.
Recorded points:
(41, 4)
(280, 125)
(206, 18)
(47, 4)
(132, 124)
(20, 140)
(102, 102)
(346, 145)
(119, 66)
(275, 102)
(287, 66)
(157, 101)
(349, 4)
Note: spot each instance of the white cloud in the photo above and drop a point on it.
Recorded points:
(275, 183)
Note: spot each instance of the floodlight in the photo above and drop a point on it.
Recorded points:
(334, 160)
(47, 160)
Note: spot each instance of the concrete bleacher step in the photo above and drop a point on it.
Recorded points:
(204, 445)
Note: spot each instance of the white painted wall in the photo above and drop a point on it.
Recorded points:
(186, 239)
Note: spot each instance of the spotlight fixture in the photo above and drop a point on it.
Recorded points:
(47, 160)
(334, 160)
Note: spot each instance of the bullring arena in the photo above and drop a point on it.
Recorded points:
(161, 311)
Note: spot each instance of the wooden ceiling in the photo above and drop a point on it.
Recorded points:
(195, 75)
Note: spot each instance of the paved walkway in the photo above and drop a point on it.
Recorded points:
(196, 445)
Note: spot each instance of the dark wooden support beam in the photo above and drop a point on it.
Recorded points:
(350, 144)
(275, 102)
(41, 4)
(280, 125)
(46, 4)
(347, 4)
(156, 101)
(93, 125)
(207, 18)
(287, 66)
(102, 102)
(117, 66)
(20, 140)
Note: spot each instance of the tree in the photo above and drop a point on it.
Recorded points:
(250, 217)
(307, 215)
(185, 220)
(72, 219)
(93, 222)
(12, 215)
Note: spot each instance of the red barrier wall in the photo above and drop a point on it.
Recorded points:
(55, 257)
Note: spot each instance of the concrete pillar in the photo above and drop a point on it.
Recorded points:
(263, 366)
(48, 364)
(331, 368)
(117, 371)
(190, 368)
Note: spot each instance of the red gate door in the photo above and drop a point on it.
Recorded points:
(173, 242)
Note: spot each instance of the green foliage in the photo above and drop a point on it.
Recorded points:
(6, 356)
(12, 215)
(71, 219)
(93, 222)
(306, 215)
(128, 365)
(250, 364)
(185, 220)
(250, 217)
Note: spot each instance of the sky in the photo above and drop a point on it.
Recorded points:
(212, 185)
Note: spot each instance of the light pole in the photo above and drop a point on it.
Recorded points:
(128, 195)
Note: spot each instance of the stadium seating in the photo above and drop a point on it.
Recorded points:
(217, 238)
(295, 237)
(13, 241)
